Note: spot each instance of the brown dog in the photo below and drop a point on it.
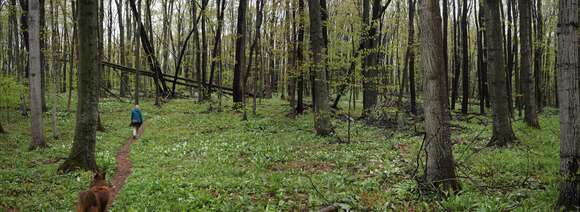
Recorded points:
(97, 197)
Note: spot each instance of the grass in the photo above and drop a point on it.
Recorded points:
(189, 158)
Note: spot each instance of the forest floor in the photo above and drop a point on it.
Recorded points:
(189, 158)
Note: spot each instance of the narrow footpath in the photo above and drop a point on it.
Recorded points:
(124, 166)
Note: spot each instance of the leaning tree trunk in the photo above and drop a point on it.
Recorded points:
(526, 79)
(35, 65)
(216, 53)
(82, 153)
(322, 122)
(254, 49)
(240, 52)
(569, 101)
(439, 167)
(502, 126)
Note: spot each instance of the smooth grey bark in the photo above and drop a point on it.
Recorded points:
(82, 154)
(526, 79)
(569, 103)
(35, 72)
(440, 166)
(322, 121)
(502, 127)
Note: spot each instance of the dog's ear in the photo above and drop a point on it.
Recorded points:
(99, 175)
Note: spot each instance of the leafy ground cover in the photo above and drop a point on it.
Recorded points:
(189, 158)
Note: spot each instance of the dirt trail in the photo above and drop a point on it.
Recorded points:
(124, 166)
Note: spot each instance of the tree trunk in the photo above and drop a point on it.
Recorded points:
(502, 126)
(322, 116)
(254, 49)
(100, 53)
(82, 154)
(569, 100)
(137, 60)
(107, 81)
(526, 78)
(465, 59)
(290, 64)
(366, 10)
(411, 62)
(203, 82)
(72, 55)
(539, 52)
(35, 65)
(44, 65)
(481, 63)
(240, 52)
(123, 88)
(299, 67)
(196, 50)
(512, 58)
(445, 43)
(216, 53)
(456, 70)
(148, 46)
(440, 166)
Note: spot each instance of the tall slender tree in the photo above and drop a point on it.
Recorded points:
(299, 56)
(568, 67)
(465, 58)
(526, 79)
(445, 5)
(502, 127)
(82, 154)
(35, 72)
(411, 58)
(137, 60)
(124, 86)
(440, 166)
(481, 62)
(322, 122)
(538, 54)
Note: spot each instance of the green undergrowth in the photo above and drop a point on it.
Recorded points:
(189, 158)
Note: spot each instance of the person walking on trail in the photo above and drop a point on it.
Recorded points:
(136, 119)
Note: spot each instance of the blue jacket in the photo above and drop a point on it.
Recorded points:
(136, 116)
